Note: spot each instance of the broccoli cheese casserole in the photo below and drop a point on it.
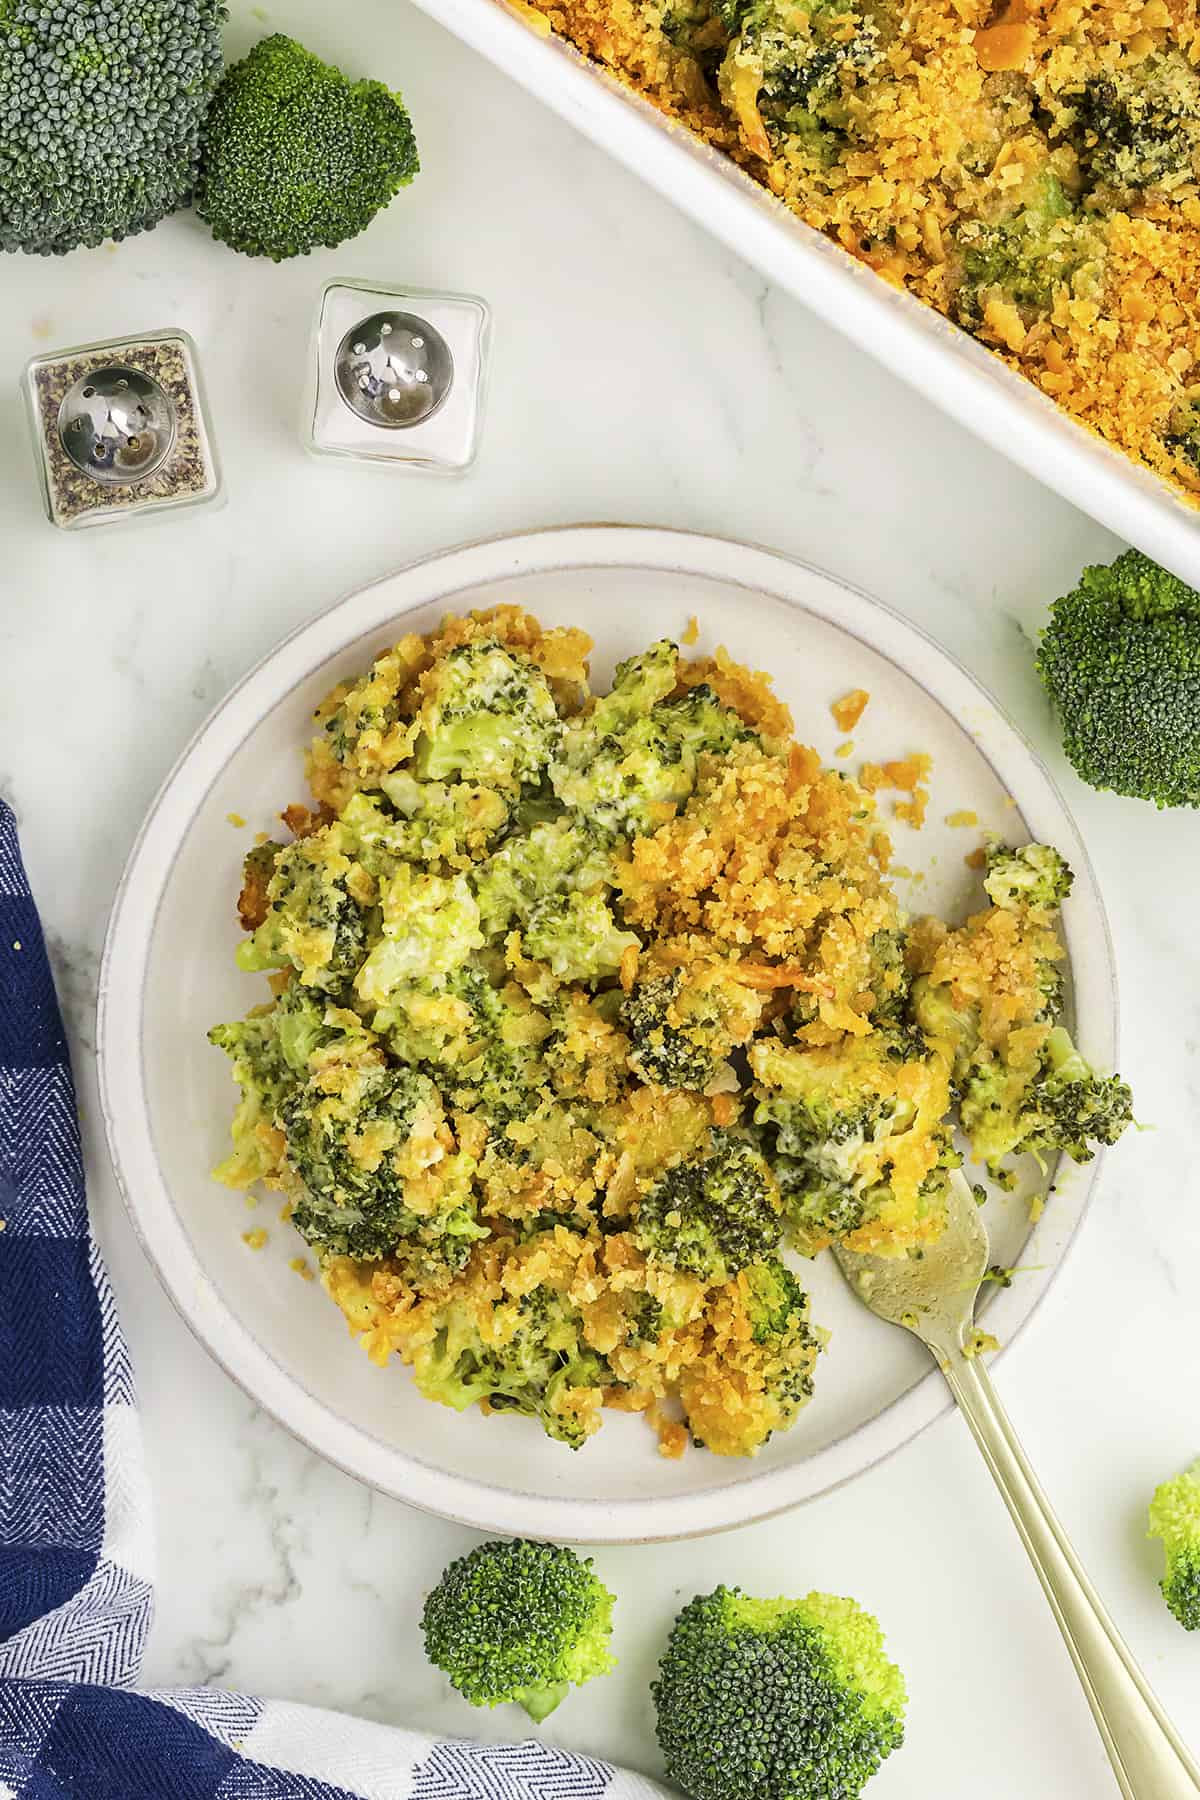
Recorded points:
(1027, 167)
(585, 1009)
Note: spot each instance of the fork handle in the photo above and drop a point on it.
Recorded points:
(1148, 1757)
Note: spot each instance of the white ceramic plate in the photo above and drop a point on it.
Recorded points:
(169, 973)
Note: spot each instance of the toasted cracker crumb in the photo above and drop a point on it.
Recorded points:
(1115, 343)
(850, 708)
(913, 811)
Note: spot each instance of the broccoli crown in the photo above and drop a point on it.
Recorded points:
(824, 1129)
(312, 923)
(488, 716)
(101, 108)
(497, 1069)
(552, 858)
(253, 1047)
(774, 1299)
(424, 821)
(578, 936)
(677, 1034)
(698, 721)
(1043, 245)
(430, 925)
(694, 26)
(711, 1216)
(521, 1622)
(539, 1365)
(1066, 1106)
(802, 63)
(1183, 434)
(776, 1699)
(892, 985)
(628, 782)
(1120, 660)
(1175, 1518)
(629, 763)
(297, 156)
(359, 1136)
(1033, 876)
(1135, 126)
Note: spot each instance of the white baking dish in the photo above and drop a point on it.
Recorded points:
(911, 340)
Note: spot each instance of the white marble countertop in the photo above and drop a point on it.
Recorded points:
(640, 373)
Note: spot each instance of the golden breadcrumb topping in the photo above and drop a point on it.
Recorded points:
(587, 1008)
(1029, 168)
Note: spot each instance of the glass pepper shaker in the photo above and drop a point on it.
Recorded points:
(120, 430)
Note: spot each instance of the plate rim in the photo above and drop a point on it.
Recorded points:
(124, 1102)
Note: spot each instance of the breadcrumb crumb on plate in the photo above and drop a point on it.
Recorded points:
(850, 708)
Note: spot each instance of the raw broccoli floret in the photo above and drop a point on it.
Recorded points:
(1065, 1106)
(1136, 125)
(1120, 660)
(296, 155)
(1175, 1518)
(712, 1215)
(776, 1699)
(522, 1622)
(101, 108)
(488, 716)
(539, 1365)
(1033, 876)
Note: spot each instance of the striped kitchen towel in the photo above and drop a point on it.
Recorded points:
(76, 1553)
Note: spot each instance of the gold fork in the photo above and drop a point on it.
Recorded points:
(933, 1295)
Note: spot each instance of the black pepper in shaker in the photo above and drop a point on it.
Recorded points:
(120, 430)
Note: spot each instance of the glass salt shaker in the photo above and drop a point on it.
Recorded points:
(397, 375)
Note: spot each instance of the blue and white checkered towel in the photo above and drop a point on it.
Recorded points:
(76, 1593)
